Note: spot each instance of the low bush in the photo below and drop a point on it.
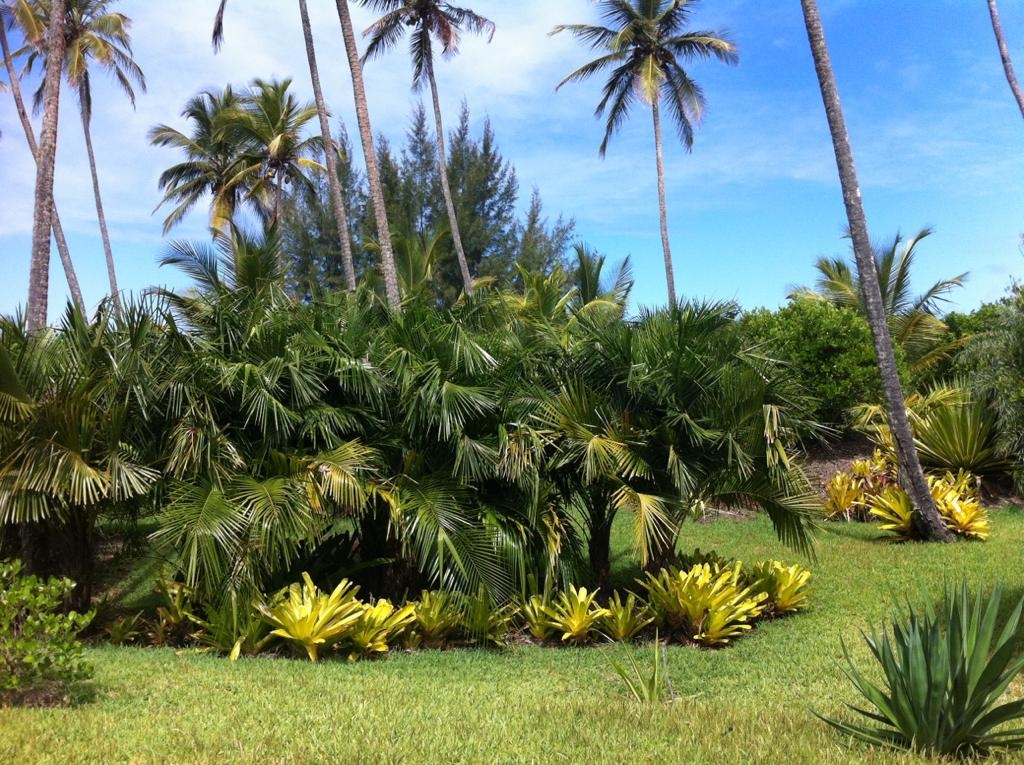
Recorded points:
(39, 648)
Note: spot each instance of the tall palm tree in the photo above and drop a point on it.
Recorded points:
(426, 20)
(370, 153)
(95, 34)
(926, 517)
(333, 181)
(913, 320)
(1004, 54)
(53, 42)
(213, 163)
(330, 155)
(644, 45)
(19, 104)
(271, 123)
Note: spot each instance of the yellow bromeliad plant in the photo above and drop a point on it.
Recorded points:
(956, 498)
(843, 494)
(376, 627)
(711, 606)
(787, 587)
(625, 618)
(305, 615)
(892, 507)
(575, 614)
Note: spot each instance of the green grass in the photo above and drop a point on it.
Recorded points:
(747, 703)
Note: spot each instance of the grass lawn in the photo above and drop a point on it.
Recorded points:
(750, 703)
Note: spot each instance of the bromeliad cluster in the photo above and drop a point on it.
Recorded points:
(709, 601)
(869, 492)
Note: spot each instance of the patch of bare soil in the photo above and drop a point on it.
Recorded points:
(822, 461)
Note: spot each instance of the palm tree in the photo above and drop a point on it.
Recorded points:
(644, 46)
(42, 219)
(19, 104)
(95, 34)
(1004, 54)
(333, 182)
(370, 155)
(926, 517)
(428, 19)
(913, 320)
(214, 165)
(270, 124)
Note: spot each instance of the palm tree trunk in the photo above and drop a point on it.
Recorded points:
(84, 94)
(26, 124)
(333, 182)
(42, 217)
(1004, 53)
(670, 276)
(387, 255)
(927, 521)
(446, 189)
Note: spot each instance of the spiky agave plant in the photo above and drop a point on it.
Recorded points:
(944, 676)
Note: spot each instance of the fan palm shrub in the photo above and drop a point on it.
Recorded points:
(659, 418)
(262, 437)
(79, 433)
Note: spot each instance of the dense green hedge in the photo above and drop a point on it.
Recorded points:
(828, 350)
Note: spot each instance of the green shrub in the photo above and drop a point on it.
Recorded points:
(233, 627)
(484, 622)
(39, 646)
(943, 675)
(829, 351)
(650, 687)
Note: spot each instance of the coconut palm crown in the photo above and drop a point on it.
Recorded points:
(644, 44)
(428, 19)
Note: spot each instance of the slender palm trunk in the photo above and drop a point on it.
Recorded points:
(115, 294)
(387, 255)
(927, 520)
(1004, 54)
(446, 189)
(670, 276)
(30, 137)
(42, 218)
(333, 182)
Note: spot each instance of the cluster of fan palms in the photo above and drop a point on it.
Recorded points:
(478, 445)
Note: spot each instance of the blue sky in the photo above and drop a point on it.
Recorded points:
(937, 139)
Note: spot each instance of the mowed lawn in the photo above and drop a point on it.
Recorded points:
(750, 703)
